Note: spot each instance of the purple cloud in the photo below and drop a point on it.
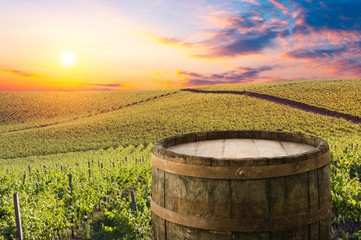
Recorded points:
(20, 73)
(247, 20)
(241, 75)
(110, 85)
(246, 33)
(242, 44)
(351, 65)
(83, 89)
(190, 74)
(259, 28)
(315, 53)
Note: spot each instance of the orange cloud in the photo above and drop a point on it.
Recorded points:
(280, 6)
(21, 73)
(166, 41)
(252, 1)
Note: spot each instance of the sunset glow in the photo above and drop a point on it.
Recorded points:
(114, 45)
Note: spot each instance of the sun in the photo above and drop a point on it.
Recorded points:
(67, 58)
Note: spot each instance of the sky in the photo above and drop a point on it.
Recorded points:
(148, 44)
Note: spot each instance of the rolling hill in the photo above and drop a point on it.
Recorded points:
(76, 128)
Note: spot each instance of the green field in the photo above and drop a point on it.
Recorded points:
(24, 110)
(117, 130)
(334, 94)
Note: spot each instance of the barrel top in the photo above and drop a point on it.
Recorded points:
(241, 148)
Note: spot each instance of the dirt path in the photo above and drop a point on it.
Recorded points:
(291, 103)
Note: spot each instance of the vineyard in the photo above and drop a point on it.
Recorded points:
(97, 204)
(104, 139)
(336, 95)
(53, 108)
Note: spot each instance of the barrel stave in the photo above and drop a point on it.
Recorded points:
(249, 199)
(176, 231)
(158, 197)
(273, 207)
(197, 196)
(324, 187)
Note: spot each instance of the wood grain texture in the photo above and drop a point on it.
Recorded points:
(212, 148)
(269, 148)
(277, 197)
(295, 148)
(325, 197)
(158, 196)
(295, 205)
(176, 231)
(252, 170)
(197, 196)
(240, 148)
(249, 199)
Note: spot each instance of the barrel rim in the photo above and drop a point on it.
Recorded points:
(160, 147)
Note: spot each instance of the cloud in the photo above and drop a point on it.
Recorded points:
(94, 87)
(319, 36)
(245, 33)
(242, 44)
(83, 89)
(242, 33)
(349, 65)
(110, 85)
(327, 21)
(240, 75)
(21, 73)
(190, 74)
(173, 41)
(316, 53)
(337, 15)
(247, 21)
(101, 86)
(251, 1)
(165, 40)
(280, 6)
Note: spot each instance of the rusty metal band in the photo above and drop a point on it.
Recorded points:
(241, 225)
(248, 172)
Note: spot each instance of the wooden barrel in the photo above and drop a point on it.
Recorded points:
(241, 185)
